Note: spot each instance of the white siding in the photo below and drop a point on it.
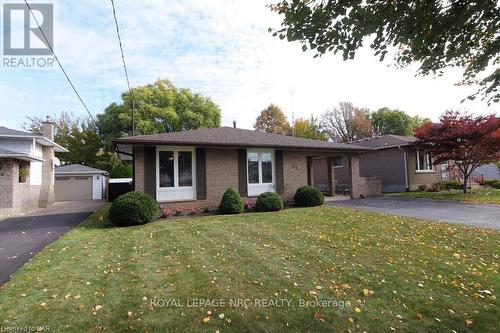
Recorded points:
(18, 145)
(36, 167)
(97, 187)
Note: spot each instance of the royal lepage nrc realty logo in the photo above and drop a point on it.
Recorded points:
(25, 35)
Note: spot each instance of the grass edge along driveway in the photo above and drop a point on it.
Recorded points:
(390, 273)
(476, 196)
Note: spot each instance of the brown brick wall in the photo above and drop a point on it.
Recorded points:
(47, 188)
(16, 198)
(294, 172)
(416, 178)
(7, 185)
(363, 186)
(139, 169)
(222, 173)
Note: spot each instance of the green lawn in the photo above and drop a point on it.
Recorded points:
(390, 273)
(479, 196)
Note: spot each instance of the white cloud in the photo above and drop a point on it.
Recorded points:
(223, 50)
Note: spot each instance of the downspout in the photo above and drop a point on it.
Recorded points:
(405, 159)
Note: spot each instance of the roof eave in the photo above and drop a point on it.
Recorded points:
(22, 157)
(47, 142)
(80, 172)
(236, 145)
(394, 146)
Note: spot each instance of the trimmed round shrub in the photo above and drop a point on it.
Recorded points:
(133, 208)
(268, 202)
(307, 196)
(231, 202)
(496, 184)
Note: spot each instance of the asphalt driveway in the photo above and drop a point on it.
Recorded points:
(485, 216)
(21, 238)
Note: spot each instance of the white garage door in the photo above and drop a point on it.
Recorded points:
(71, 188)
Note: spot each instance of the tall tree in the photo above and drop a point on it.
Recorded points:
(387, 121)
(347, 123)
(467, 141)
(81, 137)
(272, 120)
(309, 129)
(436, 34)
(159, 107)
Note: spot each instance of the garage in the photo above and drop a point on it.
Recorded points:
(76, 182)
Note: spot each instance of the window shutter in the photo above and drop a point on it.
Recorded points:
(242, 172)
(309, 166)
(150, 171)
(201, 174)
(280, 183)
(329, 165)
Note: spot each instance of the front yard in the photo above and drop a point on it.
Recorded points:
(478, 196)
(370, 272)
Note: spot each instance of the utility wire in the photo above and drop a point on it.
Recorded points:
(60, 65)
(124, 66)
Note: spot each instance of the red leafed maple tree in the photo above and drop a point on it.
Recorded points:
(465, 140)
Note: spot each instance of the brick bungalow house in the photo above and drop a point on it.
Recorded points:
(400, 165)
(27, 169)
(194, 168)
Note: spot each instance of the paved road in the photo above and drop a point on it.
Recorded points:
(21, 238)
(486, 216)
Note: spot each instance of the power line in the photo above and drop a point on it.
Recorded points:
(60, 65)
(124, 66)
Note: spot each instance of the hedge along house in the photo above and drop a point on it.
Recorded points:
(193, 168)
(400, 165)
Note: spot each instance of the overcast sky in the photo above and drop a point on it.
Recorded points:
(221, 49)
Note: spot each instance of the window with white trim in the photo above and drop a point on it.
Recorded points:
(176, 170)
(423, 161)
(260, 171)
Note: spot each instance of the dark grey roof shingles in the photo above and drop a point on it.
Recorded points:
(234, 137)
(74, 168)
(7, 131)
(385, 141)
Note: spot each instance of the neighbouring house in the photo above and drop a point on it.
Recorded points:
(489, 171)
(400, 165)
(80, 182)
(27, 163)
(194, 168)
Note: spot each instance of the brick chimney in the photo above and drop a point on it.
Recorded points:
(47, 187)
(48, 129)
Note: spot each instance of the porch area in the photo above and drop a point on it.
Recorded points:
(337, 177)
